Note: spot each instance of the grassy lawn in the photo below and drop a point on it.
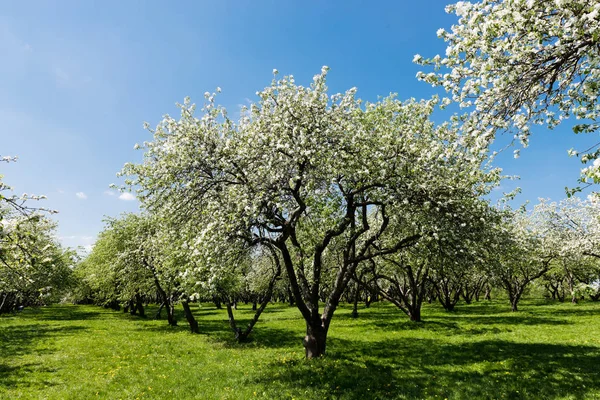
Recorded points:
(546, 351)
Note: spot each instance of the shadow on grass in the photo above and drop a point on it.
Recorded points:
(62, 313)
(420, 368)
(516, 319)
(217, 330)
(20, 340)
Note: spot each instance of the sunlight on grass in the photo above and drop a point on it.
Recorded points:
(480, 351)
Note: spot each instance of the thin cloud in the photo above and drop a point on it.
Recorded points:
(62, 77)
(127, 196)
(81, 195)
(109, 193)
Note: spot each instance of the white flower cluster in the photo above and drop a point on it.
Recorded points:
(522, 62)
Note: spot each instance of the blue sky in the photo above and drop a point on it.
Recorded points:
(79, 78)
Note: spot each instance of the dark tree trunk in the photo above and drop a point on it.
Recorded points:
(290, 296)
(171, 312)
(132, 307)
(368, 298)
(356, 298)
(3, 303)
(467, 297)
(571, 283)
(415, 314)
(166, 299)
(514, 295)
(190, 317)
(514, 302)
(553, 290)
(315, 341)
(242, 335)
(488, 293)
(448, 296)
(447, 303)
(139, 306)
(254, 306)
(159, 312)
(217, 302)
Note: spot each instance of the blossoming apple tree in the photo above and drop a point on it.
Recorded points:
(520, 62)
(304, 171)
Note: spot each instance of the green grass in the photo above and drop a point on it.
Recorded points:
(545, 351)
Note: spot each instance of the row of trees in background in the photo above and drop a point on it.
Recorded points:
(317, 197)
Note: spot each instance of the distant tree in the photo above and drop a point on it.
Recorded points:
(523, 253)
(573, 228)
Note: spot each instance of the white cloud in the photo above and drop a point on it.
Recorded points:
(78, 237)
(60, 191)
(82, 243)
(109, 193)
(61, 76)
(81, 195)
(127, 196)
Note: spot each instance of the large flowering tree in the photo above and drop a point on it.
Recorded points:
(303, 172)
(520, 62)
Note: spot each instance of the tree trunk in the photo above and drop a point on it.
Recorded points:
(290, 296)
(167, 300)
(488, 293)
(315, 340)
(514, 299)
(468, 298)
(368, 299)
(415, 313)
(139, 306)
(132, 307)
(356, 298)
(243, 335)
(159, 312)
(571, 283)
(190, 317)
(171, 312)
(217, 302)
